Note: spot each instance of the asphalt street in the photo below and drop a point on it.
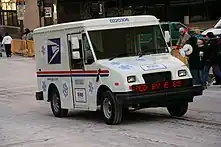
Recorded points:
(25, 122)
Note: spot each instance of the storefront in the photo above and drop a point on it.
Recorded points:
(8, 14)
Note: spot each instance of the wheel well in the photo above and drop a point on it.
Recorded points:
(50, 89)
(101, 89)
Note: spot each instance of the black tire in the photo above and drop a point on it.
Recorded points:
(109, 101)
(56, 104)
(178, 110)
(126, 111)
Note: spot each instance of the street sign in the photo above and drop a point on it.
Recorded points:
(48, 12)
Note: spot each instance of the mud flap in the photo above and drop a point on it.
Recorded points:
(39, 96)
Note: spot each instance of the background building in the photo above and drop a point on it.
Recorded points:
(31, 14)
(40, 13)
(8, 18)
(166, 10)
(11, 13)
(73, 10)
(8, 15)
(59, 11)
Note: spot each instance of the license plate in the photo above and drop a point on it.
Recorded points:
(157, 86)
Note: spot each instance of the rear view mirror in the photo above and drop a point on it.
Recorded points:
(167, 36)
(75, 43)
(76, 55)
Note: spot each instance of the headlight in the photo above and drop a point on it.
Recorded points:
(131, 79)
(182, 73)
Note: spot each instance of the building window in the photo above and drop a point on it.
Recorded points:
(8, 14)
(8, 5)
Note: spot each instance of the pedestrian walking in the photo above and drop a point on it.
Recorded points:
(211, 57)
(194, 61)
(201, 45)
(217, 79)
(7, 44)
(27, 35)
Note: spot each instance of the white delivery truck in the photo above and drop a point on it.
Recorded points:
(104, 63)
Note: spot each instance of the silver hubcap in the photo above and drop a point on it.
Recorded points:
(107, 108)
(55, 102)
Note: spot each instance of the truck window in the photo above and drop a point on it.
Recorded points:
(150, 40)
(128, 41)
(88, 56)
(76, 55)
(165, 27)
(177, 26)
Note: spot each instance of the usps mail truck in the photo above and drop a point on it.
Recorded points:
(106, 63)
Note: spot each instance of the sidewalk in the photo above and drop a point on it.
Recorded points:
(14, 57)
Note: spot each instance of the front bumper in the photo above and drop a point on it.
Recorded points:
(160, 98)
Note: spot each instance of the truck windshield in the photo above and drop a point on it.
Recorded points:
(126, 42)
(165, 27)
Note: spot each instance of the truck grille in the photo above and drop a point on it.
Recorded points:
(157, 77)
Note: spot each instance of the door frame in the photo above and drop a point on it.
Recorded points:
(79, 88)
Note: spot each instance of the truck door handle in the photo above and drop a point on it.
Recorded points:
(98, 75)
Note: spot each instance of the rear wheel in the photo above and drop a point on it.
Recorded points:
(178, 110)
(126, 111)
(56, 104)
(112, 110)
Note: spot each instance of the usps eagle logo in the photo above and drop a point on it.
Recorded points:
(54, 51)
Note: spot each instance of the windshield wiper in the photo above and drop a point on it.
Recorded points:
(142, 53)
(118, 55)
(152, 51)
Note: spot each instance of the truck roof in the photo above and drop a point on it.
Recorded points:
(103, 23)
(164, 22)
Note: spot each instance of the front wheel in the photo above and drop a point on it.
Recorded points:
(178, 110)
(56, 104)
(112, 110)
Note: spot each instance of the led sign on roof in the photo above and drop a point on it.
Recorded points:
(119, 20)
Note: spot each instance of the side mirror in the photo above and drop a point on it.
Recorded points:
(170, 50)
(75, 43)
(76, 55)
(167, 36)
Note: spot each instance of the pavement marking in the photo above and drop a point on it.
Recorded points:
(8, 101)
(20, 87)
(22, 93)
(189, 119)
(3, 95)
(16, 57)
(22, 143)
(12, 97)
